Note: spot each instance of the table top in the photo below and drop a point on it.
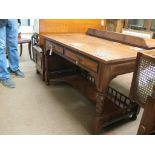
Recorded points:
(150, 52)
(101, 49)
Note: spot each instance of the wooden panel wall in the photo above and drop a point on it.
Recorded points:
(68, 25)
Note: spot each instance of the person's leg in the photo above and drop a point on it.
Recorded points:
(4, 74)
(12, 43)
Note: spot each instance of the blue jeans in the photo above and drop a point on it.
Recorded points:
(8, 38)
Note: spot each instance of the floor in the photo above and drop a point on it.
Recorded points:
(35, 108)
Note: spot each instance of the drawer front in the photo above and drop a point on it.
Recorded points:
(55, 47)
(81, 60)
(70, 55)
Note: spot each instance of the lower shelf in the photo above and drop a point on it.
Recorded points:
(116, 107)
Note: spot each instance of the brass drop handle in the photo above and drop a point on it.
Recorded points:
(50, 47)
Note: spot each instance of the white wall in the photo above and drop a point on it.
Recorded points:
(34, 27)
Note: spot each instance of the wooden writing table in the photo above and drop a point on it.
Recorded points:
(99, 58)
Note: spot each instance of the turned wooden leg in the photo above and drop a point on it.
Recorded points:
(102, 82)
(97, 125)
(98, 121)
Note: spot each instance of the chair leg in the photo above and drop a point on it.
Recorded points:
(21, 49)
(147, 124)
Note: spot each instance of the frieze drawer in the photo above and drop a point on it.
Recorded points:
(55, 47)
(81, 60)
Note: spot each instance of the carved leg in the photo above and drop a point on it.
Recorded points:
(102, 83)
(98, 121)
(97, 125)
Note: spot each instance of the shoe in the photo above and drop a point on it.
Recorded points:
(17, 73)
(8, 83)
